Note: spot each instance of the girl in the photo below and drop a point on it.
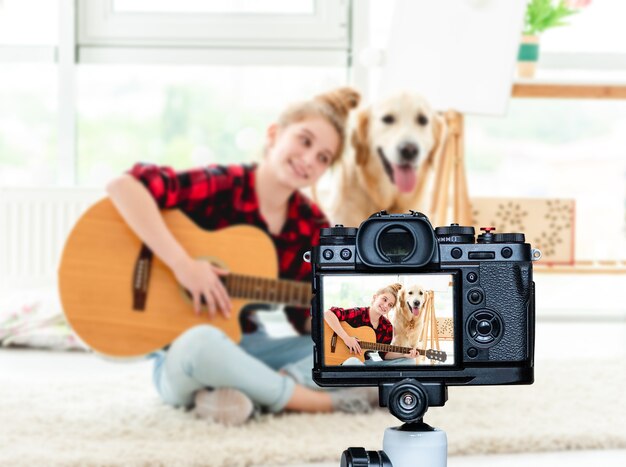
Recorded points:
(202, 367)
(373, 316)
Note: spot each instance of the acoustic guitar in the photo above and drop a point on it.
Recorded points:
(336, 351)
(124, 302)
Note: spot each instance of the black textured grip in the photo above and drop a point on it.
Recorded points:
(507, 289)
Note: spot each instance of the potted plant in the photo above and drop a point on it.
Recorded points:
(541, 15)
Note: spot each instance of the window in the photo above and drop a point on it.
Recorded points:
(28, 99)
(176, 82)
(313, 24)
(183, 115)
(28, 137)
(216, 6)
(20, 27)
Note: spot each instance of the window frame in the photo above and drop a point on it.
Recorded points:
(100, 25)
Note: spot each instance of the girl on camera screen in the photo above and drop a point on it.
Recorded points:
(374, 316)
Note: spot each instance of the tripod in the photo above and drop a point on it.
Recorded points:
(414, 443)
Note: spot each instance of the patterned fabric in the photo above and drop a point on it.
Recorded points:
(34, 318)
(360, 316)
(218, 196)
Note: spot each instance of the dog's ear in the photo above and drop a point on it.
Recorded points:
(360, 137)
(400, 300)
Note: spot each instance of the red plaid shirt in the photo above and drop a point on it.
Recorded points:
(360, 316)
(217, 196)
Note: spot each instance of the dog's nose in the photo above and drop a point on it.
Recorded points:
(409, 152)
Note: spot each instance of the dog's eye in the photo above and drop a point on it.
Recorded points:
(389, 119)
(421, 293)
(410, 293)
(422, 120)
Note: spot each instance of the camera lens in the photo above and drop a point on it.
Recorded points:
(396, 243)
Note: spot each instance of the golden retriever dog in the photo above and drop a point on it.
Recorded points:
(393, 142)
(408, 316)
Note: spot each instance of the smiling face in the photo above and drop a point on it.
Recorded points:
(383, 302)
(402, 136)
(414, 298)
(301, 152)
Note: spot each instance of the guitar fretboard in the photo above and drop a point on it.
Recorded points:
(388, 348)
(266, 290)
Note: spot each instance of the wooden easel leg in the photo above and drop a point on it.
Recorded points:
(439, 183)
(462, 205)
(441, 216)
(450, 178)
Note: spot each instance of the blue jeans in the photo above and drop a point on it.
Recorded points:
(204, 357)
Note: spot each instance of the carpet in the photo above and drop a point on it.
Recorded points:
(112, 416)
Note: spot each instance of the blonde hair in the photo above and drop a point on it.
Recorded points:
(333, 106)
(392, 289)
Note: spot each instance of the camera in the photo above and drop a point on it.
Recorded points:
(413, 310)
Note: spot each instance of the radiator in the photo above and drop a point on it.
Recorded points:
(34, 224)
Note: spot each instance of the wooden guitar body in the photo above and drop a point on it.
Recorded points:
(97, 270)
(335, 350)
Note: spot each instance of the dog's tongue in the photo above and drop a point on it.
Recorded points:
(404, 177)
(415, 310)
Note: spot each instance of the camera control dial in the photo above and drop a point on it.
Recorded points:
(485, 327)
(455, 233)
(509, 238)
(338, 231)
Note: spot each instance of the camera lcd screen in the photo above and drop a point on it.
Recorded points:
(386, 320)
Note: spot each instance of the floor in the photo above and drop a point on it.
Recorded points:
(548, 459)
(554, 340)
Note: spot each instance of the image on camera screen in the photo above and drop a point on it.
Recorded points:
(388, 319)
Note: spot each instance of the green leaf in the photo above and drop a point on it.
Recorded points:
(542, 15)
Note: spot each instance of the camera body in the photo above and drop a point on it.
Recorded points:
(484, 286)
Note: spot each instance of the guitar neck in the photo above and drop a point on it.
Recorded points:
(388, 348)
(267, 290)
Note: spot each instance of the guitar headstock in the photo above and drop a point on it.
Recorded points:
(438, 355)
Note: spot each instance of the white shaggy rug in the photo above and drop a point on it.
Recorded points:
(77, 410)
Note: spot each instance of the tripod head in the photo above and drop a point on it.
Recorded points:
(407, 400)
